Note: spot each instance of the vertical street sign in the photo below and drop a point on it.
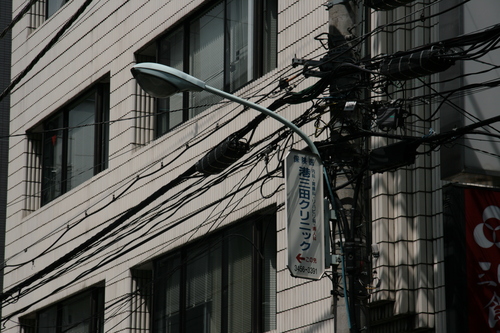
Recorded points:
(305, 215)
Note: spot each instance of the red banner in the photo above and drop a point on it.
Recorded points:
(482, 227)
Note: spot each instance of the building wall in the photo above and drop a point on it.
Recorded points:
(406, 204)
(103, 41)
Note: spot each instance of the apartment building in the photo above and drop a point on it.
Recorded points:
(88, 144)
(130, 213)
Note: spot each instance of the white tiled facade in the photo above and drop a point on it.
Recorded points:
(406, 204)
(102, 42)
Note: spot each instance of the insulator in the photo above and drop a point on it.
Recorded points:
(386, 4)
(222, 156)
(413, 65)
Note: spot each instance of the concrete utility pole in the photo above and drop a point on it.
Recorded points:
(342, 21)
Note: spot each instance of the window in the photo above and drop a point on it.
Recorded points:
(41, 10)
(224, 283)
(74, 143)
(83, 313)
(53, 6)
(226, 45)
(141, 299)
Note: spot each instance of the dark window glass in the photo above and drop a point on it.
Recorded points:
(167, 307)
(81, 152)
(75, 143)
(170, 110)
(269, 36)
(76, 314)
(203, 293)
(47, 320)
(83, 313)
(227, 45)
(53, 6)
(52, 158)
(206, 56)
(225, 283)
(239, 44)
(239, 271)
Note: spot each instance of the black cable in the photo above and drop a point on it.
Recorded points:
(422, 18)
(192, 196)
(485, 133)
(98, 241)
(200, 139)
(71, 254)
(108, 259)
(39, 56)
(18, 17)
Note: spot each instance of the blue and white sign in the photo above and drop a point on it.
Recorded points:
(305, 215)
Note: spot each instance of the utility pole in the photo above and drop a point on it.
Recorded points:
(342, 21)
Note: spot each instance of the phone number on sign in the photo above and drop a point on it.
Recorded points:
(304, 269)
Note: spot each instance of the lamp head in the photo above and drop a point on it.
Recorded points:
(163, 81)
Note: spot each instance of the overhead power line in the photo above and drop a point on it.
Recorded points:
(83, 246)
(17, 18)
(40, 55)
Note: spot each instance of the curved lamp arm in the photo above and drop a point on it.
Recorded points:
(163, 81)
(268, 112)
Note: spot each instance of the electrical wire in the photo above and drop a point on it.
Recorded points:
(283, 133)
(200, 139)
(17, 18)
(122, 251)
(122, 216)
(51, 43)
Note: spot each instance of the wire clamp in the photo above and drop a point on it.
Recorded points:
(330, 4)
(336, 260)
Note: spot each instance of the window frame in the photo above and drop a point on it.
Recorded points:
(262, 59)
(47, 7)
(100, 92)
(95, 298)
(261, 227)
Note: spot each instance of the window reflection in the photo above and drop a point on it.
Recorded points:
(226, 45)
(75, 143)
(225, 283)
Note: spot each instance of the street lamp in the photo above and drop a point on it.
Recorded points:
(163, 81)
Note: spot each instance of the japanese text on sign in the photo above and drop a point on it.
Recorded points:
(304, 208)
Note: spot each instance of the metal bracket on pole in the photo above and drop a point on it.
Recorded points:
(330, 4)
(336, 259)
(333, 215)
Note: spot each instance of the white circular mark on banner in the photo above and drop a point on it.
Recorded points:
(490, 212)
